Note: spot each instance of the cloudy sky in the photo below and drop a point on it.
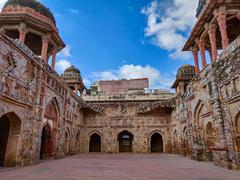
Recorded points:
(124, 39)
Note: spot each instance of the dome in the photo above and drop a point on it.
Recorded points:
(33, 4)
(72, 69)
(186, 72)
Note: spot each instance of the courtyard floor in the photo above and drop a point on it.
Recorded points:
(120, 167)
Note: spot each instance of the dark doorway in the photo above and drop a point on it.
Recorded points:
(125, 139)
(156, 143)
(95, 143)
(4, 133)
(46, 143)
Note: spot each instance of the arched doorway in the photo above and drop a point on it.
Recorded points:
(67, 143)
(46, 142)
(78, 142)
(4, 133)
(95, 143)
(125, 139)
(10, 129)
(237, 125)
(48, 137)
(185, 143)
(156, 143)
(175, 142)
(209, 140)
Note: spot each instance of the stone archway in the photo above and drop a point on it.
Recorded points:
(156, 143)
(237, 126)
(185, 145)
(67, 142)
(10, 129)
(175, 142)
(77, 142)
(48, 136)
(125, 140)
(95, 143)
(46, 142)
(209, 141)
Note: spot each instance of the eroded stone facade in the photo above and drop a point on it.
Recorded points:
(42, 117)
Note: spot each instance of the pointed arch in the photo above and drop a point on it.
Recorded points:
(95, 142)
(237, 126)
(175, 142)
(198, 109)
(185, 143)
(67, 137)
(156, 142)
(46, 142)
(10, 132)
(125, 139)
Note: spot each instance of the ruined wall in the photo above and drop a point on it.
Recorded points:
(209, 110)
(114, 117)
(32, 96)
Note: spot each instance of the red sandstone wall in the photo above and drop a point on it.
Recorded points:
(122, 86)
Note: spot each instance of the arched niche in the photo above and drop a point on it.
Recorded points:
(67, 142)
(10, 131)
(46, 148)
(95, 143)
(185, 144)
(125, 139)
(237, 126)
(156, 143)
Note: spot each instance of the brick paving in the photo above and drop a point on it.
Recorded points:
(121, 167)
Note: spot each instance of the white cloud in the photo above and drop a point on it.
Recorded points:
(62, 64)
(66, 52)
(2, 3)
(167, 28)
(156, 78)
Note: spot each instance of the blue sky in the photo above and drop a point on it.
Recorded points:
(115, 39)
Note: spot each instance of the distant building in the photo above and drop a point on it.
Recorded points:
(118, 87)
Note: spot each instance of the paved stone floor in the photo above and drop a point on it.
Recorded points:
(120, 167)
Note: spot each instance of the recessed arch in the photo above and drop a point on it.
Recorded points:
(10, 131)
(78, 134)
(46, 142)
(156, 143)
(237, 126)
(67, 141)
(125, 139)
(185, 144)
(95, 142)
(175, 142)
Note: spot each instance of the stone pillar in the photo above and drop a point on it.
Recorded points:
(211, 29)
(45, 42)
(22, 32)
(54, 52)
(221, 17)
(201, 46)
(195, 55)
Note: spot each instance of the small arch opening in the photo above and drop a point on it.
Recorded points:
(156, 143)
(95, 143)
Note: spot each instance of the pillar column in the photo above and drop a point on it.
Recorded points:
(201, 46)
(54, 52)
(221, 17)
(195, 56)
(211, 29)
(22, 32)
(45, 41)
